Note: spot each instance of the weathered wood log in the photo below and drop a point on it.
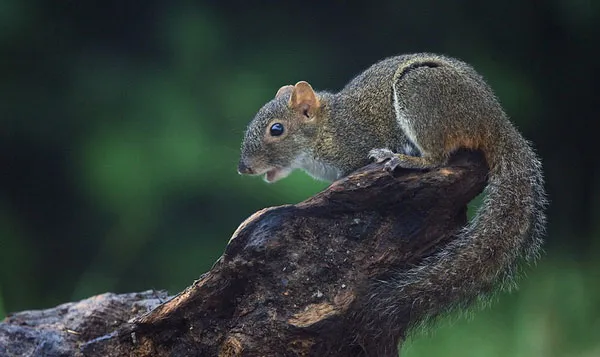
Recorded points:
(290, 282)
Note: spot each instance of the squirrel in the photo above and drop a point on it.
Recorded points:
(414, 111)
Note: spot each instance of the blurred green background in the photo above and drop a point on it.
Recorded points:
(121, 122)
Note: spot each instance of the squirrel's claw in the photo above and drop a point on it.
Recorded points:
(392, 164)
(380, 155)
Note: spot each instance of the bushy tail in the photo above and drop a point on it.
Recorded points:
(484, 257)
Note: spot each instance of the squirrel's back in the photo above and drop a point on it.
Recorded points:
(378, 78)
(369, 97)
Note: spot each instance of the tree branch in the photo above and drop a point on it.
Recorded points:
(290, 282)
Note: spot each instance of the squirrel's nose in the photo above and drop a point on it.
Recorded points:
(244, 169)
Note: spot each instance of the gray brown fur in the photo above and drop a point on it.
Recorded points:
(436, 105)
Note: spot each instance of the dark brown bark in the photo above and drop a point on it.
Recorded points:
(290, 282)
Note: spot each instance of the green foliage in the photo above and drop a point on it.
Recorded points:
(554, 313)
(2, 312)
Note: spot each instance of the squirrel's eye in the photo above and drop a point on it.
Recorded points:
(276, 129)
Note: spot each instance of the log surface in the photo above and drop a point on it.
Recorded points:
(290, 282)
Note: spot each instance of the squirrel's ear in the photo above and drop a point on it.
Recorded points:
(304, 99)
(284, 90)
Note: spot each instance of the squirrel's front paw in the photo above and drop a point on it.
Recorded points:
(381, 155)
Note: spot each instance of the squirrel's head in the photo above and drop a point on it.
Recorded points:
(281, 133)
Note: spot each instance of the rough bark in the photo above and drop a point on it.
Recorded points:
(290, 282)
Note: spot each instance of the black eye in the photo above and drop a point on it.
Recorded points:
(276, 129)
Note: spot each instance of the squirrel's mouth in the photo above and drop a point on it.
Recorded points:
(276, 174)
(271, 175)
